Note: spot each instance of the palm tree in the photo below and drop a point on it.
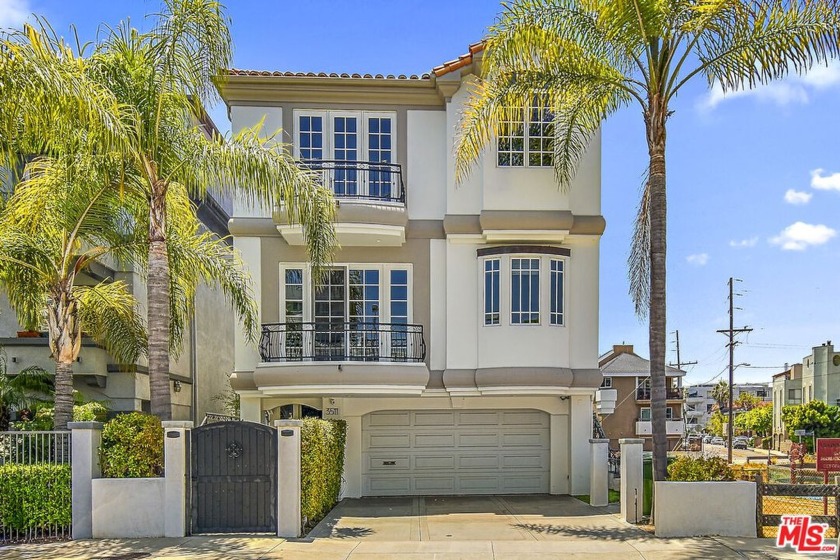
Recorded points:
(160, 81)
(23, 390)
(59, 221)
(588, 58)
(720, 393)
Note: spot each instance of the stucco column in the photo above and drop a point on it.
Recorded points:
(632, 484)
(288, 478)
(85, 439)
(176, 457)
(599, 494)
(250, 408)
(353, 457)
(580, 432)
(246, 354)
(560, 458)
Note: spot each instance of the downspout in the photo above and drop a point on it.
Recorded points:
(193, 367)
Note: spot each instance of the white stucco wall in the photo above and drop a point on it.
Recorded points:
(128, 507)
(426, 165)
(705, 516)
(272, 123)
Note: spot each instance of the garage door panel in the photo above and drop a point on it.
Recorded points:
(455, 452)
(389, 441)
(434, 418)
(434, 462)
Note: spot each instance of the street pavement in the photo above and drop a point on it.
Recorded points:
(468, 528)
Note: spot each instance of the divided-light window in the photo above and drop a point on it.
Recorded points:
(526, 138)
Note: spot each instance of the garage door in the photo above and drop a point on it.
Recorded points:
(431, 452)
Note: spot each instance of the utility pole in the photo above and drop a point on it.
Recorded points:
(731, 332)
(679, 366)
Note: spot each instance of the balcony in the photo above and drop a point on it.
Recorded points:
(643, 394)
(672, 428)
(361, 180)
(689, 413)
(694, 398)
(342, 342)
(370, 199)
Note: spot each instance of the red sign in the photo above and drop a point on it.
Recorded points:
(828, 454)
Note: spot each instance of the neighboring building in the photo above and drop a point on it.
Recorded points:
(457, 331)
(629, 375)
(817, 378)
(197, 378)
(699, 404)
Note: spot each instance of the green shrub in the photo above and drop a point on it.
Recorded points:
(696, 469)
(85, 412)
(321, 465)
(34, 496)
(132, 446)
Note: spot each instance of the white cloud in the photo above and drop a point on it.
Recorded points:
(14, 12)
(799, 236)
(793, 89)
(700, 259)
(825, 182)
(797, 197)
(744, 243)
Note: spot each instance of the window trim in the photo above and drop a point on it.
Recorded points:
(526, 136)
(361, 130)
(606, 383)
(498, 288)
(562, 307)
(530, 311)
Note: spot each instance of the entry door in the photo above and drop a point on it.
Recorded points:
(330, 298)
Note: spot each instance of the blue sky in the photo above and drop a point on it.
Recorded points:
(753, 178)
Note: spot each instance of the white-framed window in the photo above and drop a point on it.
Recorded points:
(526, 137)
(606, 383)
(525, 291)
(555, 287)
(644, 413)
(492, 291)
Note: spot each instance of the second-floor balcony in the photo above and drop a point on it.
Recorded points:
(672, 427)
(361, 180)
(672, 394)
(342, 341)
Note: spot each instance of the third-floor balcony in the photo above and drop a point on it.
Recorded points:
(361, 180)
(672, 394)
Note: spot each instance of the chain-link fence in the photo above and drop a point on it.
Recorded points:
(809, 495)
(35, 493)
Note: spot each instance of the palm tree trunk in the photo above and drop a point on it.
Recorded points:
(63, 394)
(158, 303)
(655, 120)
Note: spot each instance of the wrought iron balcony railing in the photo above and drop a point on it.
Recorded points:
(367, 180)
(342, 341)
(670, 394)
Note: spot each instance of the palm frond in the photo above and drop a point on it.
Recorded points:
(109, 313)
(638, 261)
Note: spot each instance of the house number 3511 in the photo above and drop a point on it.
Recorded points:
(331, 412)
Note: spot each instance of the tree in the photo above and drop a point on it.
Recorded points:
(720, 393)
(161, 80)
(814, 416)
(758, 420)
(747, 401)
(715, 424)
(587, 58)
(19, 391)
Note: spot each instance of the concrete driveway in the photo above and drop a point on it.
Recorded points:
(467, 528)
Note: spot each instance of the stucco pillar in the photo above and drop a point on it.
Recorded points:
(353, 457)
(559, 454)
(632, 484)
(250, 408)
(288, 478)
(246, 354)
(85, 440)
(176, 457)
(599, 494)
(580, 432)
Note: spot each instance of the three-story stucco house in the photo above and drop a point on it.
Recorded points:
(457, 331)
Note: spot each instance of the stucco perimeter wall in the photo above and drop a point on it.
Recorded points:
(726, 509)
(128, 507)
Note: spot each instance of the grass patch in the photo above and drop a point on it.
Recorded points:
(614, 497)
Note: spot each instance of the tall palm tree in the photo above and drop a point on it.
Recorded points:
(588, 58)
(159, 82)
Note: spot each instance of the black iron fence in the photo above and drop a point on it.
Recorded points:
(342, 341)
(35, 492)
(643, 394)
(361, 179)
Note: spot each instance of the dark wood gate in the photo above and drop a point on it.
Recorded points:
(234, 478)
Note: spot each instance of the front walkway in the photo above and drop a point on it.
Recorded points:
(468, 528)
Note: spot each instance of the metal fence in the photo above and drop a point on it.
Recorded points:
(809, 495)
(35, 492)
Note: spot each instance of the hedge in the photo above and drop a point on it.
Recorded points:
(321, 465)
(698, 469)
(35, 496)
(132, 446)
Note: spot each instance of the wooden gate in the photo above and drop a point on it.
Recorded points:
(234, 478)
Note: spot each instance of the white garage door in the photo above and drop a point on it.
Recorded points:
(429, 452)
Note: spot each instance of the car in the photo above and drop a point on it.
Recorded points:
(707, 439)
(739, 444)
(717, 440)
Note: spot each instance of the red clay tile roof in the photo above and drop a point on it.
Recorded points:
(238, 72)
(460, 62)
(445, 68)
